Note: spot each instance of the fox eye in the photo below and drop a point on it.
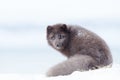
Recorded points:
(52, 38)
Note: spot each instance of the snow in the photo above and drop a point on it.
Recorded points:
(99, 74)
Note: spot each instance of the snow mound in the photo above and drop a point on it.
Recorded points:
(100, 74)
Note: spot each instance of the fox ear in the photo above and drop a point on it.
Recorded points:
(49, 29)
(64, 27)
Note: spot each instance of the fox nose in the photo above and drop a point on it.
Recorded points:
(59, 45)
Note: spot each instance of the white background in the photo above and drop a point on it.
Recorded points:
(23, 45)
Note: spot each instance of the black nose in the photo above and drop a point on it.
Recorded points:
(57, 45)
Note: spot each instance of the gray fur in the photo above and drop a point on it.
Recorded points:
(84, 49)
(75, 63)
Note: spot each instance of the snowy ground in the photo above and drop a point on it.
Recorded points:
(100, 74)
